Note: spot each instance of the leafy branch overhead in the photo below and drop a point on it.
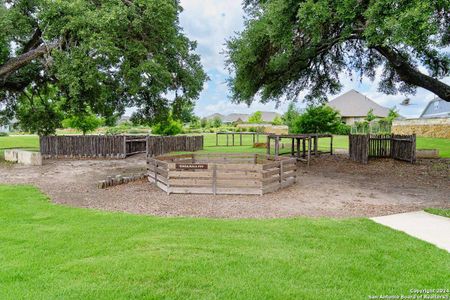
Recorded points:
(288, 47)
(102, 55)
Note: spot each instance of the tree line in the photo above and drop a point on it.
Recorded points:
(82, 63)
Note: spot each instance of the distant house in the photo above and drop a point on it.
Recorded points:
(436, 108)
(354, 106)
(267, 116)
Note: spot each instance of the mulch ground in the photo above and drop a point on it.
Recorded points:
(332, 186)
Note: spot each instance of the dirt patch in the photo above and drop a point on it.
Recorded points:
(333, 186)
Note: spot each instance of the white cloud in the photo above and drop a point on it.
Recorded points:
(210, 23)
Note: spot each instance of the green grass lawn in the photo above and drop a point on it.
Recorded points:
(439, 211)
(26, 142)
(49, 251)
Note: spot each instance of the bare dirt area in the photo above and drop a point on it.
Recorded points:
(332, 186)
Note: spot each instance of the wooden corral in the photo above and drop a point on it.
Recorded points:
(400, 147)
(302, 145)
(159, 145)
(244, 174)
(115, 146)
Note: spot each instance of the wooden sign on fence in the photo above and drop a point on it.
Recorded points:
(191, 166)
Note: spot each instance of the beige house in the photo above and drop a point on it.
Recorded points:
(354, 106)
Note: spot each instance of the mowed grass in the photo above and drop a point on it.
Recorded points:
(49, 251)
(26, 142)
(341, 142)
(439, 211)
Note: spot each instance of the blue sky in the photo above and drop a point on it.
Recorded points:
(211, 22)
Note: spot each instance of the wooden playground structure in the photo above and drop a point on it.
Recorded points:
(303, 146)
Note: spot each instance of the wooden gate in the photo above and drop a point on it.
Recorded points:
(400, 147)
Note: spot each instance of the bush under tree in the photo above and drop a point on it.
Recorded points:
(85, 122)
(317, 119)
(168, 127)
(256, 118)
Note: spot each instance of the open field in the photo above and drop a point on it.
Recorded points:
(51, 251)
(26, 142)
(341, 142)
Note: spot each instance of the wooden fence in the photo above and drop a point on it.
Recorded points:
(400, 147)
(119, 146)
(219, 173)
(159, 145)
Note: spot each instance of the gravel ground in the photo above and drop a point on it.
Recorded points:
(333, 186)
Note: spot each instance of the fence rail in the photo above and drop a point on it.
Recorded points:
(400, 147)
(159, 145)
(119, 146)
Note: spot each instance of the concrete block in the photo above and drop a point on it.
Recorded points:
(29, 158)
(427, 153)
(11, 155)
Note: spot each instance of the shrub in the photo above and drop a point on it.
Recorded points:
(169, 127)
(256, 118)
(317, 119)
(343, 129)
(277, 121)
(87, 122)
(4, 134)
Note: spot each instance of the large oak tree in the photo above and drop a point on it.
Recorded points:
(289, 46)
(101, 55)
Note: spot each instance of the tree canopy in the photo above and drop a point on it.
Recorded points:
(103, 55)
(290, 46)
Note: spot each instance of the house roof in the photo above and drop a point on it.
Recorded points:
(210, 117)
(235, 117)
(355, 104)
(436, 108)
(268, 116)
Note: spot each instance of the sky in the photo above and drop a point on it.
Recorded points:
(212, 22)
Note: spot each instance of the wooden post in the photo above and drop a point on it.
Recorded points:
(316, 139)
(124, 146)
(232, 138)
(331, 146)
(268, 145)
(217, 139)
(277, 146)
(253, 137)
(227, 139)
(298, 148)
(309, 149)
(292, 147)
(240, 138)
(304, 147)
